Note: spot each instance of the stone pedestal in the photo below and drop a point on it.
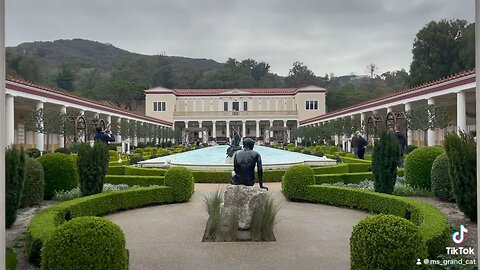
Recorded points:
(242, 201)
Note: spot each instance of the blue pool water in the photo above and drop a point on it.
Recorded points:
(216, 156)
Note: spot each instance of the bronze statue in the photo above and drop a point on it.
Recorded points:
(244, 165)
(235, 146)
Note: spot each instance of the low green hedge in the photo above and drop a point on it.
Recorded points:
(116, 170)
(180, 179)
(133, 180)
(432, 224)
(350, 160)
(347, 178)
(225, 176)
(340, 168)
(296, 180)
(132, 170)
(43, 225)
(359, 167)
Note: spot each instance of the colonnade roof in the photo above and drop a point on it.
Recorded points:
(235, 92)
(422, 91)
(26, 88)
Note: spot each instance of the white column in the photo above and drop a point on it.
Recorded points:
(228, 130)
(9, 120)
(257, 128)
(214, 129)
(270, 132)
(61, 138)
(2, 127)
(173, 129)
(461, 111)
(431, 133)
(119, 136)
(135, 138)
(362, 122)
(408, 107)
(389, 109)
(244, 130)
(285, 123)
(40, 140)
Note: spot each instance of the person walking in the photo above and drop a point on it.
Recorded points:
(361, 147)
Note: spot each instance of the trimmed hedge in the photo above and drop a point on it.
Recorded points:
(116, 170)
(132, 170)
(102, 238)
(33, 187)
(441, 183)
(225, 176)
(359, 167)
(340, 168)
(133, 180)
(60, 173)
(349, 159)
(43, 225)
(418, 166)
(385, 242)
(347, 178)
(181, 181)
(432, 224)
(296, 180)
(113, 155)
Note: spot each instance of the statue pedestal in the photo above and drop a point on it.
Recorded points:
(242, 201)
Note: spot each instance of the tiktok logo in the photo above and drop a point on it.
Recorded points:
(458, 237)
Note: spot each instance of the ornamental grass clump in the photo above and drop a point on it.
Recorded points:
(263, 219)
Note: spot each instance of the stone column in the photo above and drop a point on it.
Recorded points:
(9, 120)
(227, 132)
(362, 122)
(408, 107)
(40, 140)
(173, 129)
(431, 133)
(461, 111)
(186, 132)
(119, 136)
(61, 138)
(214, 129)
(389, 109)
(257, 128)
(244, 130)
(270, 132)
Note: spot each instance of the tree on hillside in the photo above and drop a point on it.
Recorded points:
(395, 80)
(65, 78)
(23, 67)
(440, 49)
(372, 70)
(299, 75)
(123, 94)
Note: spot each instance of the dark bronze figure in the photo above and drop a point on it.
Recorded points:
(244, 166)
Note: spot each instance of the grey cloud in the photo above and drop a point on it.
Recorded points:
(328, 36)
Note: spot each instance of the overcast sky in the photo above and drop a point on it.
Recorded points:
(335, 36)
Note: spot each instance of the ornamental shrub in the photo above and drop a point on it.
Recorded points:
(113, 155)
(386, 154)
(461, 152)
(34, 183)
(418, 166)
(410, 148)
(60, 173)
(181, 181)
(14, 180)
(33, 152)
(86, 243)
(386, 242)
(296, 180)
(139, 151)
(63, 150)
(332, 150)
(92, 165)
(441, 183)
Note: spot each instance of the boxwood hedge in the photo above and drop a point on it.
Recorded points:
(180, 179)
(418, 166)
(432, 224)
(60, 173)
(132, 170)
(43, 225)
(116, 170)
(347, 178)
(340, 168)
(133, 180)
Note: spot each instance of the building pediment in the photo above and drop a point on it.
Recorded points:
(234, 92)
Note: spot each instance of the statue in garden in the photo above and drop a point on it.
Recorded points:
(244, 164)
(235, 146)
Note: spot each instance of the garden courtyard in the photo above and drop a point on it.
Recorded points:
(154, 218)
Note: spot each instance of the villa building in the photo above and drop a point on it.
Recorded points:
(209, 115)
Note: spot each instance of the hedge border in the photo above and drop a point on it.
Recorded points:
(132, 170)
(347, 178)
(132, 180)
(432, 224)
(43, 224)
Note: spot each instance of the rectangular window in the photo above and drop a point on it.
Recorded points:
(307, 105)
(311, 104)
(159, 106)
(316, 105)
(225, 106)
(245, 106)
(236, 106)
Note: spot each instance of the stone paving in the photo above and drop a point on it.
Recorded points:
(309, 236)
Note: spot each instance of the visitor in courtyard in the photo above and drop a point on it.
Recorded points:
(361, 147)
(402, 144)
(355, 143)
(104, 136)
(244, 165)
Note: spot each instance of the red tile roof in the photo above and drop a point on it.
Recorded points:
(87, 100)
(372, 102)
